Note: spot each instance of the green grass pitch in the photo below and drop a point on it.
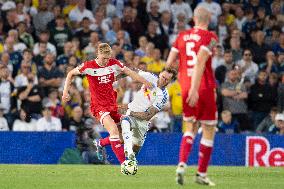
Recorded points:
(148, 177)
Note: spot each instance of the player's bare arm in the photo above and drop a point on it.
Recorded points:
(199, 68)
(172, 59)
(145, 115)
(65, 95)
(137, 77)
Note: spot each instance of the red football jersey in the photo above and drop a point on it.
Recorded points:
(187, 45)
(103, 96)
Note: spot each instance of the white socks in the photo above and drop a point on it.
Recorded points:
(127, 136)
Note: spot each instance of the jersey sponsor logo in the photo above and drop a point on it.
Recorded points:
(104, 79)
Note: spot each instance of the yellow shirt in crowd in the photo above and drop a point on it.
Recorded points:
(176, 98)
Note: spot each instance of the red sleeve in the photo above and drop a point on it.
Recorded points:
(120, 64)
(82, 67)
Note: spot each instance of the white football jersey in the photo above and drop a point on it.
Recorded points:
(145, 98)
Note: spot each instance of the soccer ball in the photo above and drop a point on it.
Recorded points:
(129, 167)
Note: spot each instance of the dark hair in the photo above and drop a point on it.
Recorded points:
(274, 109)
(227, 51)
(246, 49)
(172, 71)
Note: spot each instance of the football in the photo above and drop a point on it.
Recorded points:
(129, 167)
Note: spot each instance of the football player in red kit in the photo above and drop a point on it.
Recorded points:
(194, 48)
(101, 73)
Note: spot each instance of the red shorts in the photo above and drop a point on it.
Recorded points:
(113, 114)
(205, 110)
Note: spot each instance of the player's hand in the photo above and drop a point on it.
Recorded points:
(148, 85)
(65, 97)
(192, 98)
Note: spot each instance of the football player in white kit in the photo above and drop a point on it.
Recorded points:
(146, 103)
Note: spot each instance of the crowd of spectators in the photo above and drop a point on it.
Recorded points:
(41, 40)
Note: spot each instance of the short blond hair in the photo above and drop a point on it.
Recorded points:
(104, 48)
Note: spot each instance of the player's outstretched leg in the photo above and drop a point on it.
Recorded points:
(185, 148)
(205, 151)
(127, 138)
(114, 139)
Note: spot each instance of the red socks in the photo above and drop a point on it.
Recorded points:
(117, 148)
(104, 141)
(205, 151)
(185, 146)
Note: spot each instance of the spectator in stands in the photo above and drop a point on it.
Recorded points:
(42, 18)
(3, 122)
(267, 122)
(109, 8)
(5, 61)
(101, 23)
(63, 59)
(250, 24)
(49, 75)
(24, 122)
(235, 45)
(30, 96)
(84, 34)
(156, 38)
(222, 70)
(240, 19)
(15, 56)
(261, 98)
(76, 122)
(166, 25)
(111, 34)
(158, 63)
(162, 121)
(130, 92)
(270, 65)
(57, 11)
(149, 57)
(7, 95)
(248, 68)
(77, 14)
(222, 29)
(280, 60)
(60, 34)
(132, 25)
(179, 6)
(273, 39)
(259, 48)
(218, 58)
(164, 5)
(175, 106)
(48, 122)
(234, 96)
(153, 14)
(280, 102)
(279, 46)
(55, 106)
(141, 50)
(18, 46)
(89, 51)
(27, 67)
(44, 38)
(280, 123)
(124, 44)
(11, 20)
(38, 59)
(227, 125)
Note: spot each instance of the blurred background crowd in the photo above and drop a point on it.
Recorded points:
(41, 40)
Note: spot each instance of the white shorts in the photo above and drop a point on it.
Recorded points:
(139, 129)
